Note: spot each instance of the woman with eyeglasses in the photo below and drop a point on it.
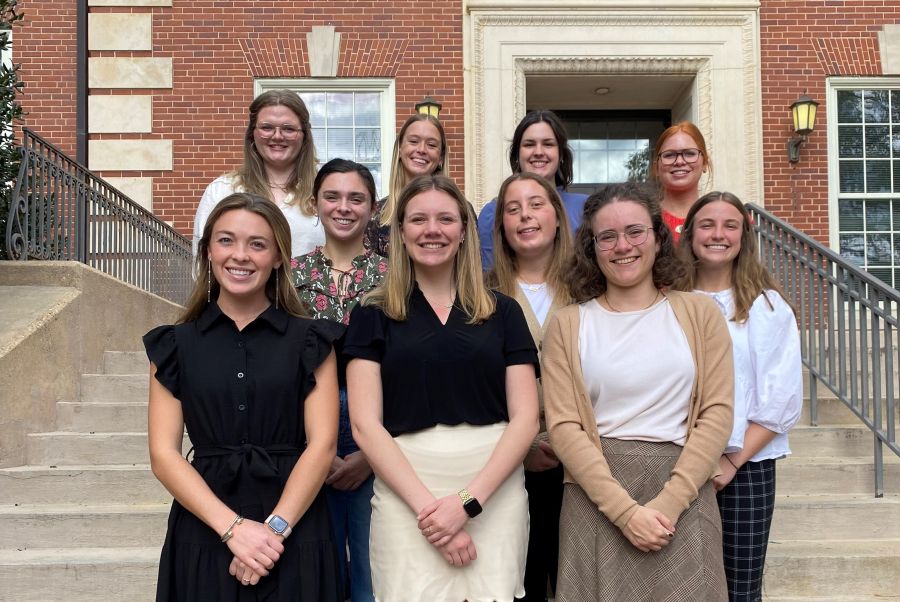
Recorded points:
(420, 149)
(638, 393)
(720, 249)
(279, 165)
(680, 160)
(540, 145)
(331, 281)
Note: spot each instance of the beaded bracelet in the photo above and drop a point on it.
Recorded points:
(238, 519)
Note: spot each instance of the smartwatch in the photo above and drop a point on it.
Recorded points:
(470, 504)
(278, 525)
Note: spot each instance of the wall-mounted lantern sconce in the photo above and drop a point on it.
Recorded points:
(803, 112)
(429, 106)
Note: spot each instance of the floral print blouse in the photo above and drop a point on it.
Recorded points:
(321, 297)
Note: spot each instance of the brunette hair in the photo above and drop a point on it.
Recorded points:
(345, 166)
(394, 292)
(749, 278)
(206, 287)
(399, 178)
(252, 174)
(506, 266)
(684, 127)
(565, 170)
(586, 280)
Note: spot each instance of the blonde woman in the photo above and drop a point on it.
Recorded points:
(279, 165)
(443, 402)
(533, 246)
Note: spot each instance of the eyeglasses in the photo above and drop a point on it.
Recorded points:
(690, 155)
(267, 130)
(634, 235)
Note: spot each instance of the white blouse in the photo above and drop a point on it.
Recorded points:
(638, 371)
(768, 381)
(306, 231)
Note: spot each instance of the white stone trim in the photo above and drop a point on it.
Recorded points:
(129, 2)
(120, 114)
(120, 31)
(139, 190)
(130, 155)
(129, 72)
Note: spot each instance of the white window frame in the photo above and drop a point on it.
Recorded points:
(385, 86)
(7, 56)
(834, 84)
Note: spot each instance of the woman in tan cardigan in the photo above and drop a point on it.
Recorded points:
(638, 389)
(532, 246)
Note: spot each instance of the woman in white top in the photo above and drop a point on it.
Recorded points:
(279, 165)
(718, 243)
(532, 246)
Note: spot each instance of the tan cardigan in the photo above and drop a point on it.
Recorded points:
(573, 426)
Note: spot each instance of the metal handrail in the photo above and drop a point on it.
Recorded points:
(848, 323)
(62, 211)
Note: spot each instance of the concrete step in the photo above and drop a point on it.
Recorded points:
(830, 411)
(837, 441)
(125, 362)
(823, 517)
(27, 527)
(95, 417)
(115, 388)
(833, 568)
(61, 448)
(854, 475)
(82, 484)
(79, 575)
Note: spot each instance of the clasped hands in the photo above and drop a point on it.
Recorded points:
(256, 549)
(441, 523)
(649, 530)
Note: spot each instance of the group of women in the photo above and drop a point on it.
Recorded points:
(374, 416)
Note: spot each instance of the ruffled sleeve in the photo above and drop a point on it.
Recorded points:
(321, 337)
(162, 350)
(366, 334)
(774, 343)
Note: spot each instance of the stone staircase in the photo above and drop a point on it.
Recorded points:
(85, 518)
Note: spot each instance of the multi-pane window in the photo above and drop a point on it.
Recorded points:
(868, 179)
(351, 119)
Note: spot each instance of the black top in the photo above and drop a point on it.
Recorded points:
(433, 373)
(242, 395)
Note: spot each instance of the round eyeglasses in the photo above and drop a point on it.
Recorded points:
(635, 235)
(267, 130)
(690, 155)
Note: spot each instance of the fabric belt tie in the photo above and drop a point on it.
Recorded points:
(249, 460)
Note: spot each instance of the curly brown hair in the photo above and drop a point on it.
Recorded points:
(586, 280)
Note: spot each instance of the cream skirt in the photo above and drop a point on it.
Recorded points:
(405, 567)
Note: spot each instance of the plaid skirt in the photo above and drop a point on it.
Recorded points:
(597, 562)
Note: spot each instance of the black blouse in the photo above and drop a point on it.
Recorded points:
(433, 373)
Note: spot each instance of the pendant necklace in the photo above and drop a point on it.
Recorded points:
(618, 311)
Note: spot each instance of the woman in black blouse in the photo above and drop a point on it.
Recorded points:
(256, 386)
(443, 401)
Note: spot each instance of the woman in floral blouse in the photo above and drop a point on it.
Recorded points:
(331, 280)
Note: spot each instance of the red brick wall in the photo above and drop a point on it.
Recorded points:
(219, 48)
(802, 43)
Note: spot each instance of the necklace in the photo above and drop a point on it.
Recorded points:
(452, 296)
(250, 318)
(618, 311)
(530, 286)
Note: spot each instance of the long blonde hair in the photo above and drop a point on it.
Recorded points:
(206, 287)
(251, 176)
(749, 278)
(399, 178)
(505, 272)
(393, 294)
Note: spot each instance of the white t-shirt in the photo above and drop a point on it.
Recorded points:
(638, 371)
(306, 231)
(768, 381)
(539, 298)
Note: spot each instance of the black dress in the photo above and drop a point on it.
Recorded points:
(242, 394)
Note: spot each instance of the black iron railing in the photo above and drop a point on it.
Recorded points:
(62, 211)
(848, 325)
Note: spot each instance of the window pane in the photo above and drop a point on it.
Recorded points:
(593, 166)
(878, 249)
(849, 106)
(895, 106)
(319, 139)
(618, 168)
(623, 144)
(368, 108)
(368, 144)
(853, 248)
(850, 141)
(897, 182)
(878, 215)
(850, 215)
(878, 141)
(878, 176)
(875, 103)
(851, 176)
(588, 145)
(895, 141)
(883, 274)
(340, 108)
(340, 144)
(315, 104)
